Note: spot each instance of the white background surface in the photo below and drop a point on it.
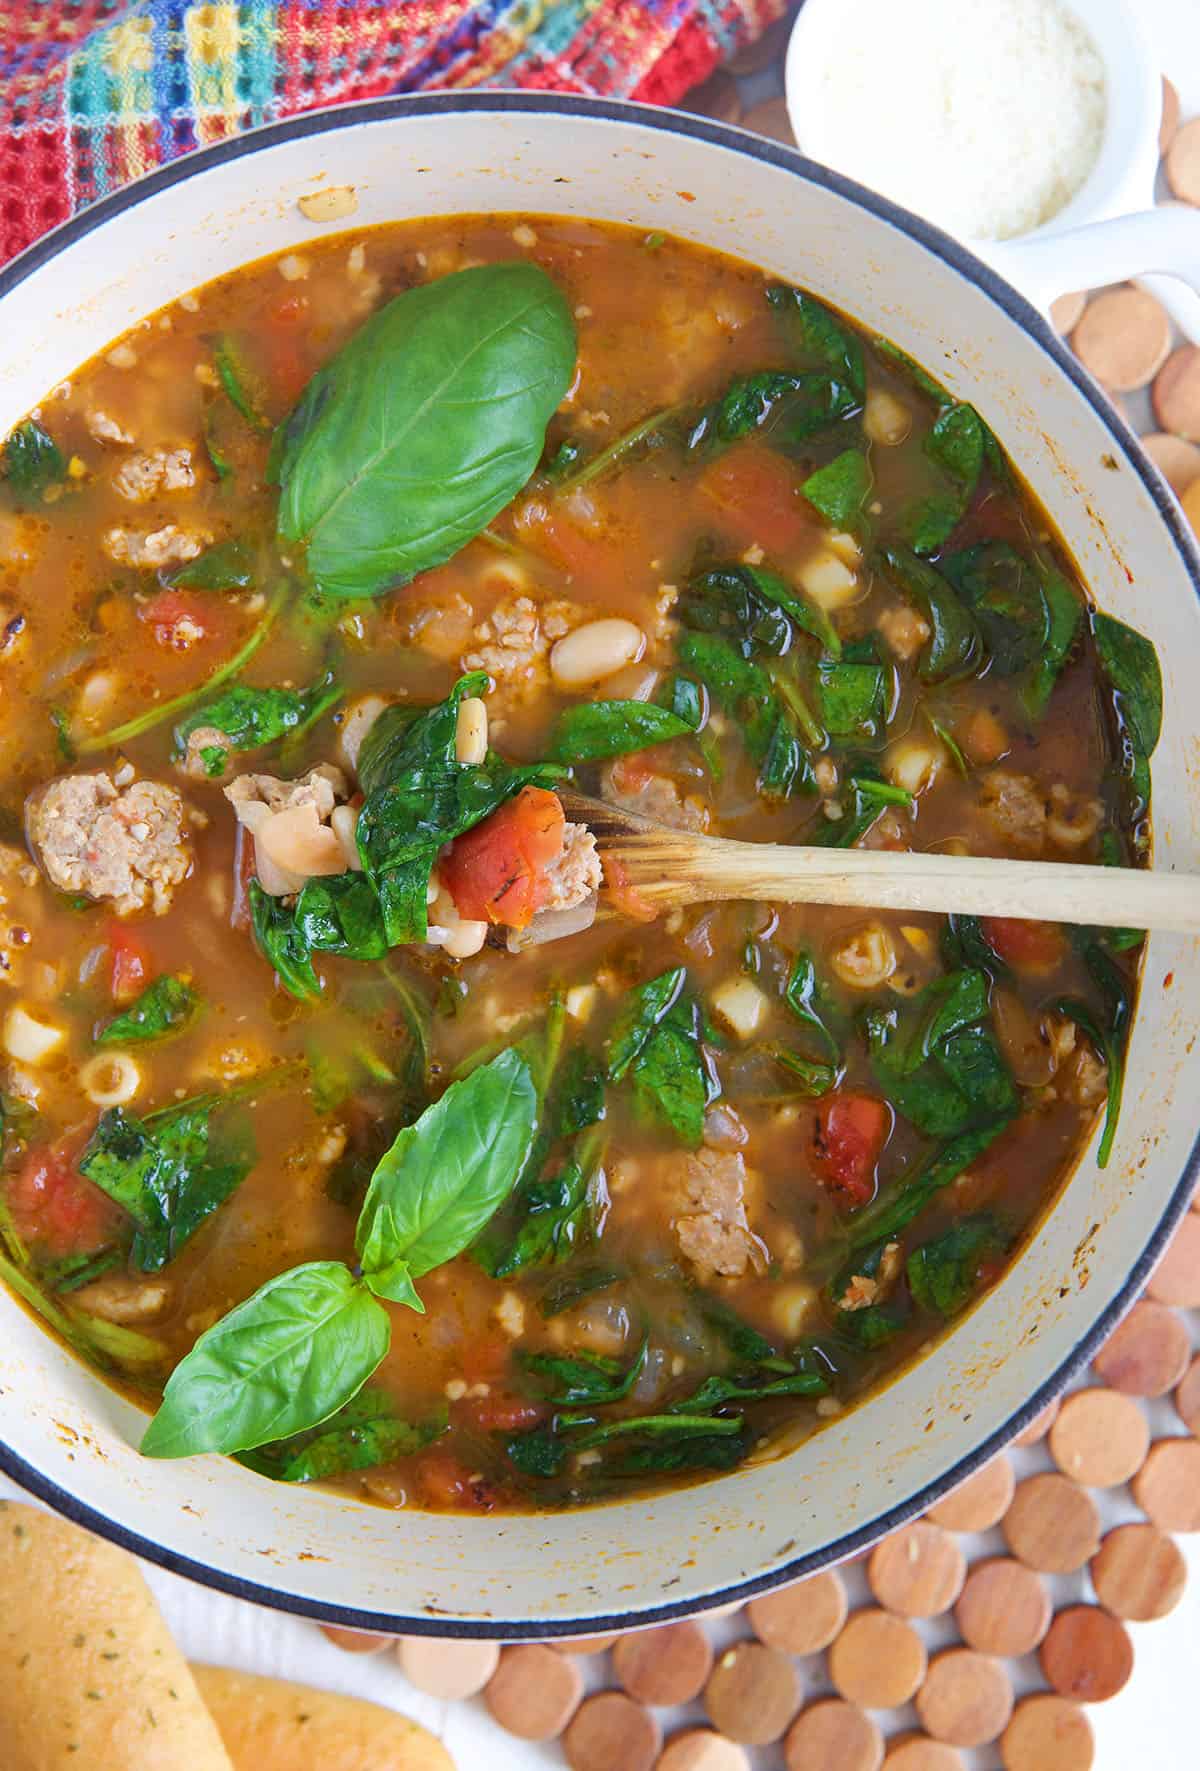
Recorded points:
(1151, 1723)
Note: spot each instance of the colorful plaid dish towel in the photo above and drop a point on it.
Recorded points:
(95, 92)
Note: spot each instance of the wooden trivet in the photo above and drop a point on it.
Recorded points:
(749, 1692)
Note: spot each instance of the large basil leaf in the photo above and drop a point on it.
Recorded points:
(424, 426)
(278, 1364)
(445, 1176)
(170, 1171)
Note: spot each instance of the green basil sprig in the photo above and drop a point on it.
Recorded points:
(306, 1342)
(424, 426)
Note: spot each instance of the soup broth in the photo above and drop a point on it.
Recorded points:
(292, 671)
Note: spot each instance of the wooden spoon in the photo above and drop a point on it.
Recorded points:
(668, 867)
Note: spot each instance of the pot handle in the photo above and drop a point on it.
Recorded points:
(1165, 240)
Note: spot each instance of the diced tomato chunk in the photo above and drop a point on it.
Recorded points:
(756, 498)
(551, 533)
(445, 1481)
(291, 365)
(1026, 946)
(499, 1412)
(55, 1208)
(181, 619)
(131, 967)
(497, 871)
(850, 1135)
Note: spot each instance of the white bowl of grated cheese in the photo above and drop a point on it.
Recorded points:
(1028, 128)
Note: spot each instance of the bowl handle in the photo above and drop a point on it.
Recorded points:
(1165, 241)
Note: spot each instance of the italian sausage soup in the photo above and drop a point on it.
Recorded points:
(358, 1114)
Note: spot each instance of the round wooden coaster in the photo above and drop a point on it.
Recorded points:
(1148, 1352)
(1086, 1654)
(699, 1749)
(833, 1734)
(1177, 460)
(1170, 116)
(916, 1752)
(1052, 1525)
(1187, 1398)
(978, 1503)
(878, 1661)
(664, 1666)
(918, 1571)
(355, 1641)
(752, 1693)
(966, 1699)
(1183, 163)
(1167, 1487)
(610, 1730)
(1004, 1608)
(1039, 1426)
(1100, 1438)
(1175, 395)
(534, 1692)
(802, 1618)
(1139, 1573)
(1047, 1733)
(1123, 338)
(1176, 1279)
(448, 1668)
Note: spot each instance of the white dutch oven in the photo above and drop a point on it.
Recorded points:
(70, 1440)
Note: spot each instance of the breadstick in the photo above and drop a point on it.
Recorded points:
(90, 1679)
(270, 1725)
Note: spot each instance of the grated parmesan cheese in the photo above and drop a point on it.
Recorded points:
(986, 116)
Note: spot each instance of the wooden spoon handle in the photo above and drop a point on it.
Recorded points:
(669, 867)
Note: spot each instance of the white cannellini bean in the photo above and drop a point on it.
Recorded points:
(360, 716)
(914, 763)
(791, 1308)
(30, 1041)
(343, 822)
(580, 1000)
(828, 580)
(740, 1004)
(296, 841)
(594, 651)
(886, 419)
(471, 731)
(846, 548)
(867, 959)
(110, 1079)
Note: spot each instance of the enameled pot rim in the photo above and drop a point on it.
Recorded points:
(958, 258)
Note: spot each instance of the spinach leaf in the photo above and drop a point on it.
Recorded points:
(873, 1326)
(750, 403)
(813, 331)
(32, 459)
(811, 1005)
(954, 648)
(964, 944)
(812, 1078)
(339, 913)
(251, 718)
(840, 489)
(1131, 665)
(595, 729)
(163, 1007)
(584, 1379)
(539, 1453)
(686, 1452)
(565, 459)
(744, 1342)
(445, 1176)
(419, 796)
(717, 1389)
(921, 380)
(239, 383)
(1065, 612)
(894, 1209)
(755, 610)
(280, 942)
(955, 446)
(563, 1294)
(227, 565)
(852, 700)
(1110, 1036)
(658, 1040)
(658, 1426)
(648, 432)
(1006, 593)
(169, 1171)
(361, 1435)
(864, 799)
(940, 1068)
(283, 1361)
(424, 426)
(943, 1274)
(750, 697)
